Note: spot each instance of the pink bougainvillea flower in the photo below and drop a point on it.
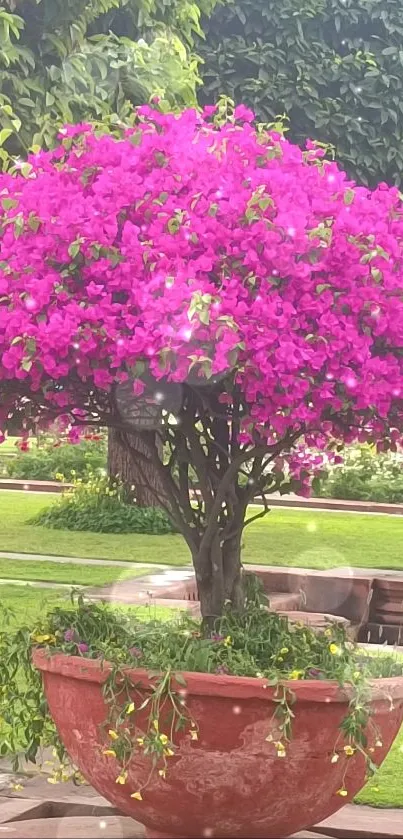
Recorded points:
(187, 250)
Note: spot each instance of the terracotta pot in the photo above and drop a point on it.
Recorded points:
(230, 782)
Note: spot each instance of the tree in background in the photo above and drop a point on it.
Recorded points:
(69, 61)
(334, 67)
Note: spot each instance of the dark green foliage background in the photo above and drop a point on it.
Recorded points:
(66, 61)
(334, 67)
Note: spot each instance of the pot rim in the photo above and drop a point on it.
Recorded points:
(208, 684)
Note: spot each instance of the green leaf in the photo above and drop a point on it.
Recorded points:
(74, 249)
(136, 138)
(5, 133)
(9, 203)
(349, 196)
(31, 345)
(34, 223)
(204, 317)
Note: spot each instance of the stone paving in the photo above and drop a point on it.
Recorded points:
(119, 563)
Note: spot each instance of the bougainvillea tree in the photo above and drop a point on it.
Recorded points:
(205, 278)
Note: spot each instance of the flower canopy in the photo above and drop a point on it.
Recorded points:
(204, 252)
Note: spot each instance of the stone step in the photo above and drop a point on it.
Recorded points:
(315, 620)
(281, 601)
(353, 822)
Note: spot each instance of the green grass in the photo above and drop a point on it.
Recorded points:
(320, 539)
(75, 575)
(301, 538)
(28, 605)
(385, 789)
(15, 535)
(9, 446)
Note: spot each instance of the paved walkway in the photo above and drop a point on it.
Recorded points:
(5, 581)
(275, 499)
(342, 571)
(119, 563)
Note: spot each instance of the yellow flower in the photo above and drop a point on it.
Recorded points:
(137, 795)
(334, 649)
(194, 735)
(163, 739)
(295, 674)
(281, 752)
(109, 752)
(162, 773)
(113, 734)
(122, 778)
(284, 651)
(168, 752)
(155, 724)
(140, 741)
(130, 708)
(17, 787)
(42, 639)
(328, 632)
(349, 750)
(228, 641)
(53, 781)
(342, 792)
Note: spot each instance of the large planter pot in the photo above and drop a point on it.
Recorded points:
(230, 782)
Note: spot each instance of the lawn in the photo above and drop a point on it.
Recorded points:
(385, 789)
(16, 536)
(302, 538)
(28, 604)
(9, 446)
(74, 575)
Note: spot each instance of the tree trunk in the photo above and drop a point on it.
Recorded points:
(220, 578)
(138, 484)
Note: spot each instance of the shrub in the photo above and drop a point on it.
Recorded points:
(99, 506)
(51, 462)
(366, 476)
